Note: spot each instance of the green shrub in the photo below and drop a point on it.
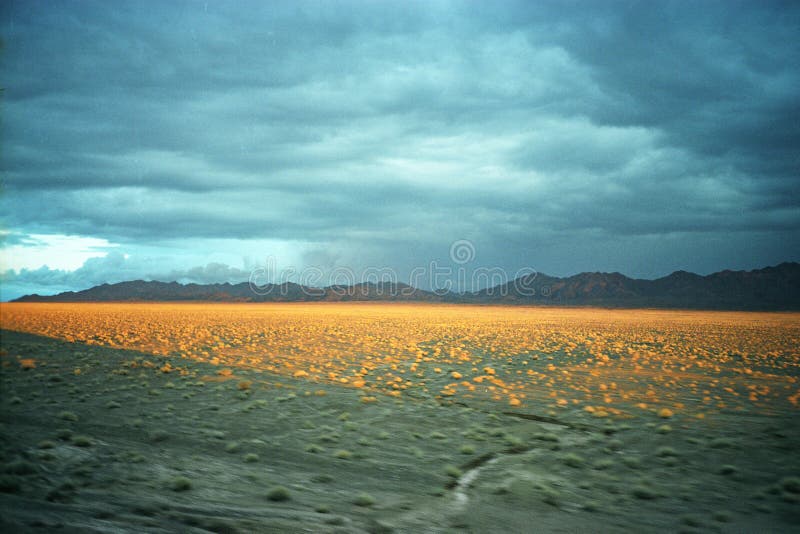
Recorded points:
(180, 484)
(82, 441)
(573, 460)
(452, 471)
(278, 494)
(643, 492)
(364, 499)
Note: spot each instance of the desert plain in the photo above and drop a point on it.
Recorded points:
(400, 417)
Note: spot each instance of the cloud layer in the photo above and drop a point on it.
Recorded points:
(637, 137)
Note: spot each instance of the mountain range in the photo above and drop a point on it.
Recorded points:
(770, 288)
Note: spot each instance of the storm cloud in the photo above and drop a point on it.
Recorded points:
(562, 136)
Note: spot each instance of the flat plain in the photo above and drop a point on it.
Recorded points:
(364, 417)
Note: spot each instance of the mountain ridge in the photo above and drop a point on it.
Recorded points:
(770, 288)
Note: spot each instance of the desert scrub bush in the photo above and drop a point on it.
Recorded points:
(251, 458)
(573, 460)
(180, 484)
(111, 405)
(632, 462)
(790, 484)
(550, 496)
(664, 429)
(279, 494)
(550, 437)
(46, 444)
(641, 491)
(343, 454)
(322, 478)
(158, 436)
(15, 400)
(63, 434)
(68, 416)
(314, 448)
(515, 444)
(19, 467)
(601, 465)
(728, 469)
(591, 506)
(330, 437)
(452, 471)
(467, 449)
(364, 499)
(722, 516)
(663, 452)
(82, 441)
(9, 484)
(721, 443)
(233, 446)
(437, 435)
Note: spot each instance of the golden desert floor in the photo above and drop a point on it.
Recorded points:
(368, 418)
(606, 362)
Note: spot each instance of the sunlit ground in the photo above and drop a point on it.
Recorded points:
(606, 362)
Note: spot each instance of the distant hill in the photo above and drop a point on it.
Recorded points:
(771, 288)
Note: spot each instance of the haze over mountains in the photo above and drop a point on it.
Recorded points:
(770, 288)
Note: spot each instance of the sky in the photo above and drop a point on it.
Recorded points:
(197, 141)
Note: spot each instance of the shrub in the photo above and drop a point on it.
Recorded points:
(19, 467)
(662, 452)
(452, 471)
(158, 435)
(550, 496)
(467, 449)
(278, 494)
(180, 484)
(643, 492)
(343, 454)
(634, 462)
(9, 484)
(603, 464)
(82, 441)
(728, 470)
(573, 460)
(364, 499)
(251, 458)
(723, 516)
(68, 416)
(790, 484)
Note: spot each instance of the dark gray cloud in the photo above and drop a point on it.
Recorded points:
(560, 135)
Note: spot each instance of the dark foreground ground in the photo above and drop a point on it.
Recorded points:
(101, 440)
